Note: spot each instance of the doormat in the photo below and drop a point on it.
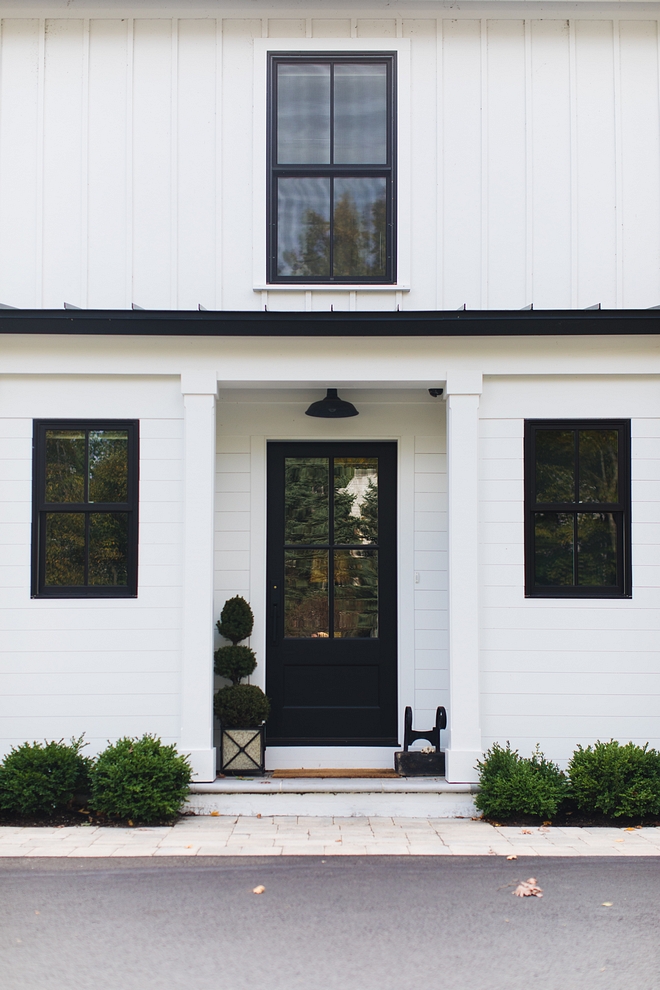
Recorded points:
(338, 773)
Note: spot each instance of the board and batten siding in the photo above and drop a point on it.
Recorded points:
(105, 668)
(554, 671)
(126, 160)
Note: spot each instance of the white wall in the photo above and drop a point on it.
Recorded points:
(561, 672)
(103, 667)
(247, 420)
(126, 156)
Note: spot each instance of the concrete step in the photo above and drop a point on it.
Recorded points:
(405, 797)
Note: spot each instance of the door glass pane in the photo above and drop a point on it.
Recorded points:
(306, 499)
(65, 466)
(555, 466)
(65, 549)
(597, 549)
(360, 114)
(356, 499)
(359, 231)
(553, 548)
(108, 466)
(303, 114)
(306, 609)
(108, 548)
(303, 227)
(599, 465)
(356, 593)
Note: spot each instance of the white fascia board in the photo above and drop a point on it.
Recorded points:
(262, 48)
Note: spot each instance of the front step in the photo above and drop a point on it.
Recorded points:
(404, 797)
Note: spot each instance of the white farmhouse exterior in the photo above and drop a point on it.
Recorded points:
(523, 152)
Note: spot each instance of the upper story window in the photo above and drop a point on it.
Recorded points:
(577, 508)
(331, 168)
(85, 507)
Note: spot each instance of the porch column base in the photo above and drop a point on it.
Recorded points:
(461, 766)
(203, 763)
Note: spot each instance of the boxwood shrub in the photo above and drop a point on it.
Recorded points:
(43, 778)
(140, 780)
(615, 780)
(512, 785)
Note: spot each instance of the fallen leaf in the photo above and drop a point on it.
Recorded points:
(130, 822)
(526, 831)
(512, 856)
(629, 829)
(619, 840)
(546, 823)
(259, 890)
(258, 816)
(528, 888)
(607, 904)
(189, 847)
(214, 814)
(37, 912)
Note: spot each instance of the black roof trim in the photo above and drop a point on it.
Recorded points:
(460, 323)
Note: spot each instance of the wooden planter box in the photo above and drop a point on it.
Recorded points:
(242, 751)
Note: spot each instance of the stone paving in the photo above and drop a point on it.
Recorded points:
(299, 836)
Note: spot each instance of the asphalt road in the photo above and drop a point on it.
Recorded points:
(346, 923)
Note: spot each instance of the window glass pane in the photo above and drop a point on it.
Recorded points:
(65, 466)
(356, 500)
(108, 548)
(306, 609)
(303, 114)
(555, 465)
(65, 549)
(599, 465)
(360, 228)
(360, 114)
(306, 499)
(356, 593)
(108, 466)
(303, 227)
(553, 548)
(597, 549)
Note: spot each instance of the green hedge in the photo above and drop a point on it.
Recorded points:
(43, 778)
(610, 779)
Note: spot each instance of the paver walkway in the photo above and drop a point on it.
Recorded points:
(289, 836)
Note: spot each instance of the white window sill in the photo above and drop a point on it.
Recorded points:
(330, 287)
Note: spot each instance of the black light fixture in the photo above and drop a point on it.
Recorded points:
(332, 407)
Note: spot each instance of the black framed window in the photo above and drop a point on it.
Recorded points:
(577, 509)
(85, 509)
(331, 160)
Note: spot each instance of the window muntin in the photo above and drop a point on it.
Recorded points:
(577, 509)
(331, 158)
(85, 509)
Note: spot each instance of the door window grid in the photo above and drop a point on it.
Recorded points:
(332, 204)
(85, 477)
(577, 509)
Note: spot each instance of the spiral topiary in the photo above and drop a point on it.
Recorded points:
(241, 706)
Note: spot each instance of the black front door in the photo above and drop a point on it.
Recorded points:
(331, 658)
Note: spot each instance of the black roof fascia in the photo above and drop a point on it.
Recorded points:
(460, 323)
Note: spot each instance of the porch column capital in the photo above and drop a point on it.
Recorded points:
(196, 739)
(464, 389)
(199, 383)
(464, 383)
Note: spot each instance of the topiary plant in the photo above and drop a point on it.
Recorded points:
(242, 706)
(616, 780)
(38, 779)
(511, 785)
(140, 779)
(236, 620)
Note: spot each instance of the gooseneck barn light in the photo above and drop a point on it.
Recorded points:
(332, 407)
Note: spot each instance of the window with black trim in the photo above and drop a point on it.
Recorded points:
(577, 509)
(331, 150)
(85, 509)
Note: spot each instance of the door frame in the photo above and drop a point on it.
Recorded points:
(335, 756)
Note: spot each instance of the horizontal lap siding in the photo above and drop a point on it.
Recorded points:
(126, 161)
(563, 672)
(104, 668)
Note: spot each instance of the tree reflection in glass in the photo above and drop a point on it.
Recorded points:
(306, 499)
(108, 548)
(65, 549)
(306, 608)
(597, 549)
(555, 465)
(356, 500)
(599, 465)
(356, 593)
(65, 466)
(108, 466)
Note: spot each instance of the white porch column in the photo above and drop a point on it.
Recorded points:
(199, 390)
(463, 391)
